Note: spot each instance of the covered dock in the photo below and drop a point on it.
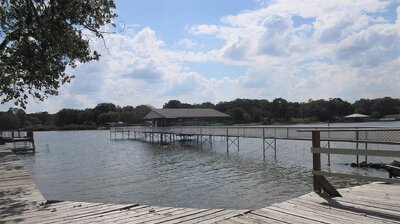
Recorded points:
(168, 117)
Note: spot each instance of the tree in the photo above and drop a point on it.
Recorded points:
(279, 108)
(105, 107)
(176, 104)
(67, 116)
(108, 117)
(39, 39)
(9, 121)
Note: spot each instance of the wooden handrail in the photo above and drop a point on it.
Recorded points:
(360, 152)
(320, 183)
(355, 176)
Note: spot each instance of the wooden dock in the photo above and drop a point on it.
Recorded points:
(22, 202)
(203, 135)
(342, 134)
(372, 203)
(21, 141)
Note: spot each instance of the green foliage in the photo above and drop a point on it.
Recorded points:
(108, 117)
(66, 117)
(105, 107)
(39, 39)
(177, 104)
(243, 111)
(8, 121)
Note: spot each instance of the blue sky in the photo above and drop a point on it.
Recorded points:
(218, 50)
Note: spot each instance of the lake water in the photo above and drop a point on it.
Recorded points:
(88, 166)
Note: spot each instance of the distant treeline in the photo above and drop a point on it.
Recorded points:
(242, 111)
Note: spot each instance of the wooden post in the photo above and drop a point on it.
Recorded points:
(238, 142)
(357, 137)
(227, 140)
(263, 143)
(316, 161)
(329, 145)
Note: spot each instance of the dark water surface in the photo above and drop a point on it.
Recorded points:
(88, 166)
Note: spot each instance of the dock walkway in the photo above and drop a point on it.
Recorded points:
(22, 202)
(342, 134)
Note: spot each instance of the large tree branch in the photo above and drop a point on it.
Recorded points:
(4, 43)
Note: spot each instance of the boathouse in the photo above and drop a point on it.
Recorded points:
(168, 117)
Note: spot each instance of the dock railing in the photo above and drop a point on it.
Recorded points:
(364, 135)
(22, 140)
(361, 135)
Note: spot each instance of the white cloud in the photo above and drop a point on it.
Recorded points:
(187, 44)
(293, 49)
(371, 47)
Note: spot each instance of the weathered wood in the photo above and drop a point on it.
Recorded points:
(372, 203)
(328, 188)
(369, 152)
(229, 214)
(253, 218)
(205, 219)
(356, 176)
(266, 212)
(194, 216)
(316, 161)
(348, 216)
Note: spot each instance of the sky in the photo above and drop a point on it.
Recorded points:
(219, 50)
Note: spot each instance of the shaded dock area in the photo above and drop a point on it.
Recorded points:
(22, 202)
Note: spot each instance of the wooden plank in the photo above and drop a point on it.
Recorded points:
(114, 217)
(51, 216)
(360, 152)
(302, 212)
(111, 216)
(390, 204)
(193, 216)
(370, 209)
(246, 220)
(127, 214)
(348, 210)
(175, 217)
(90, 212)
(208, 217)
(350, 216)
(279, 215)
(153, 216)
(232, 213)
(227, 222)
(257, 218)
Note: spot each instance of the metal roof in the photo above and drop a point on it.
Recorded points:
(357, 116)
(184, 113)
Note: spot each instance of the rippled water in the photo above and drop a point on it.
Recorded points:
(88, 166)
